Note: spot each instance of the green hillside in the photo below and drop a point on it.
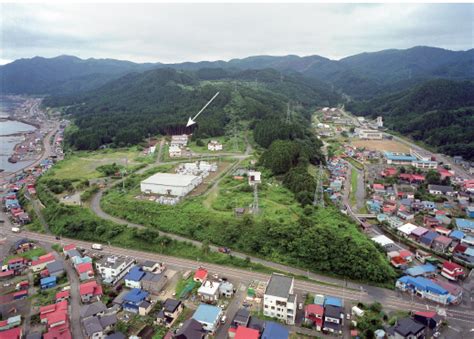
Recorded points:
(438, 112)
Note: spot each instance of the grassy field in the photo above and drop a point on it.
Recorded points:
(234, 144)
(355, 163)
(82, 165)
(381, 145)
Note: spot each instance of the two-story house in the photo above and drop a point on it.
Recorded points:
(114, 268)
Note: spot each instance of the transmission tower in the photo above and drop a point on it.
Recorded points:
(288, 113)
(255, 208)
(318, 193)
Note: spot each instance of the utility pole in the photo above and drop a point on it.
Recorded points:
(318, 193)
(288, 113)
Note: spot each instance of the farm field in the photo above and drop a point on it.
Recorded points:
(381, 145)
(82, 165)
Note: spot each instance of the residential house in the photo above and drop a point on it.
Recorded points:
(133, 299)
(191, 329)
(333, 319)
(62, 295)
(40, 263)
(200, 275)
(452, 271)
(92, 310)
(169, 313)
(314, 314)
(16, 264)
(154, 282)
(406, 229)
(55, 315)
(426, 270)
(114, 268)
(470, 211)
(426, 289)
(246, 333)
(144, 308)
(209, 291)
(279, 300)
(454, 290)
(441, 243)
(406, 328)
(85, 271)
(153, 267)
(440, 190)
(12, 333)
(55, 268)
(429, 221)
(134, 277)
(98, 326)
(209, 316)
(428, 238)
(241, 318)
(428, 205)
(465, 225)
(90, 291)
(378, 188)
(274, 330)
(429, 319)
(418, 232)
(48, 282)
(226, 289)
(456, 235)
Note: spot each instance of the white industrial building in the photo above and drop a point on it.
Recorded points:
(214, 145)
(170, 184)
(369, 134)
(175, 151)
(179, 140)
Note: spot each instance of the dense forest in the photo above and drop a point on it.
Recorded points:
(127, 110)
(439, 113)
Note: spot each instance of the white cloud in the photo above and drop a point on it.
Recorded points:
(183, 32)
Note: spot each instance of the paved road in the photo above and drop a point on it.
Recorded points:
(390, 300)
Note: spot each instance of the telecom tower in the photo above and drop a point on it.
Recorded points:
(288, 114)
(318, 193)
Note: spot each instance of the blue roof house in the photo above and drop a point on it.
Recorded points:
(133, 299)
(465, 224)
(208, 316)
(456, 235)
(274, 330)
(425, 270)
(470, 211)
(427, 238)
(48, 282)
(333, 301)
(425, 288)
(134, 277)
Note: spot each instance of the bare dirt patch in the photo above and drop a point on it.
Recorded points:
(381, 145)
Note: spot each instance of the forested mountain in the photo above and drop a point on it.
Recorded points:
(360, 76)
(62, 74)
(126, 110)
(438, 112)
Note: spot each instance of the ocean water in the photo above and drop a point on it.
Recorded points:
(7, 140)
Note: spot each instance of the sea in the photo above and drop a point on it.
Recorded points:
(7, 128)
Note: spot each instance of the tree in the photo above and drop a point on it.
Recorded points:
(433, 177)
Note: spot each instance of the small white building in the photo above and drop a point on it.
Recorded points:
(279, 300)
(209, 291)
(114, 268)
(170, 184)
(214, 145)
(179, 140)
(175, 151)
(254, 177)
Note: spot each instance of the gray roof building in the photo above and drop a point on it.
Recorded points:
(92, 309)
(55, 267)
(406, 327)
(279, 286)
(191, 329)
(92, 325)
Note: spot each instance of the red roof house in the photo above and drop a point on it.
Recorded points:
(40, 263)
(389, 172)
(314, 313)
(54, 314)
(90, 291)
(200, 275)
(452, 271)
(63, 295)
(60, 332)
(12, 333)
(246, 333)
(85, 271)
(69, 247)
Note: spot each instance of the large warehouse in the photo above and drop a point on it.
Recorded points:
(170, 184)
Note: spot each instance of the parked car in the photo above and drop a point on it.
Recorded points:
(97, 247)
(224, 250)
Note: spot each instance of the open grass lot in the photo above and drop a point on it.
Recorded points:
(352, 196)
(82, 165)
(381, 145)
(232, 144)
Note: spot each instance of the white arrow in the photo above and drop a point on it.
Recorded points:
(191, 121)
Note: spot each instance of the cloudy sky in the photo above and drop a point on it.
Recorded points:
(193, 32)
